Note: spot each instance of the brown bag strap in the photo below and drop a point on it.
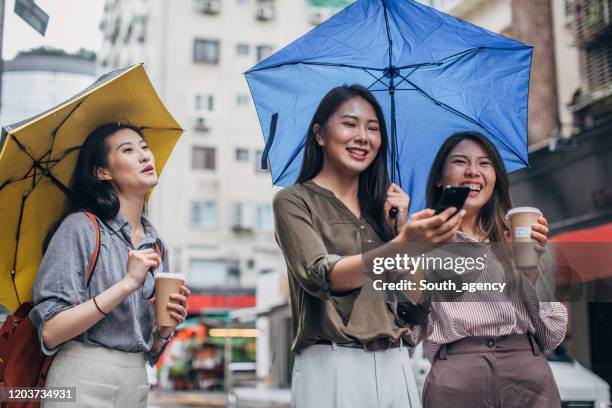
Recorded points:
(94, 257)
(42, 378)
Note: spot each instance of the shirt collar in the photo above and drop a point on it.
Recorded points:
(121, 225)
(311, 185)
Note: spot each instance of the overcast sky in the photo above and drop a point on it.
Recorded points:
(73, 24)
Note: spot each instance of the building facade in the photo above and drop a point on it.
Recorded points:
(37, 80)
(213, 203)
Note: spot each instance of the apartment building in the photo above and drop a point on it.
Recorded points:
(213, 203)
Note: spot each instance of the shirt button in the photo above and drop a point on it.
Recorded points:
(490, 343)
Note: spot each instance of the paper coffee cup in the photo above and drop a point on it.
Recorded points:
(521, 219)
(166, 284)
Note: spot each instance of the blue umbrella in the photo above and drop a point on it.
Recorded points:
(432, 73)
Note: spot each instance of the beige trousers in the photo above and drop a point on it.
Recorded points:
(103, 378)
(326, 376)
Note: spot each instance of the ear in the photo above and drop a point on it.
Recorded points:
(103, 174)
(316, 129)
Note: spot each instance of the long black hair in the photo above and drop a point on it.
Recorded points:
(88, 192)
(492, 216)
(373, 181)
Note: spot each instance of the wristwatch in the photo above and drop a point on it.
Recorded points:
(157, 336)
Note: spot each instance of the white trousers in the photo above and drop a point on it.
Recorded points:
(103, 378)
(326, 376)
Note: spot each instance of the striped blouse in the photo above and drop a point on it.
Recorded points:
(521, 313)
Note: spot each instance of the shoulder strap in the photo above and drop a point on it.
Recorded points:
(94, 257)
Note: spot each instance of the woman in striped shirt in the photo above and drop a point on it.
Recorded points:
(488, 352)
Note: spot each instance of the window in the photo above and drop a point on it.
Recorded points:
(203, 158)
(204, 102)
(242, 100)
(598, 65)
(128, 34)
(206, 51)
(258, 167)
(242, 49)
(242, 154)
(263, 51)
(204, 214)
(238, 215)
(209, 272)
(263, 217)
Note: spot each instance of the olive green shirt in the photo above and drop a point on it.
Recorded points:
(314, 230)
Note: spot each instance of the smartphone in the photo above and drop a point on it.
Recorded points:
(452, 196)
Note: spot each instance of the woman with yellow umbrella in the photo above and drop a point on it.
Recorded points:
(100, 326)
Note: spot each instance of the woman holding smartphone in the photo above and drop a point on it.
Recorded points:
(489, 353)
(351, 350)
(102, 332)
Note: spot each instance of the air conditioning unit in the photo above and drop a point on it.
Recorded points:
(208, 6)
(202, 124)
(265, 11)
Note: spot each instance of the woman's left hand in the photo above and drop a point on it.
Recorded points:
(177, 306)
(539, 232)
(396, 198)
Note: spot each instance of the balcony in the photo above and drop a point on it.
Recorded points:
(590, 20)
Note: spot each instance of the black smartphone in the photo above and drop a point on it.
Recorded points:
(452, 196)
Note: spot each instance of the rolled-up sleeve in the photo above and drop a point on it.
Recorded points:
(60, 281)
(549, 318)
(308, 261)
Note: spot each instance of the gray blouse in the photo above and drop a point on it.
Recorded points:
(61, 283)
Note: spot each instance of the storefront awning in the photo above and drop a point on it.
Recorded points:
(583, 255)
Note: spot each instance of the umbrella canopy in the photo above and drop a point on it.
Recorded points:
(433, 74)
(38, 155)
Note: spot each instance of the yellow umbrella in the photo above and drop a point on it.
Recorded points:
(38, 155)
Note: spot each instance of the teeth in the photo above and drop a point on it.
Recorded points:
(358, 151)
(473, 187)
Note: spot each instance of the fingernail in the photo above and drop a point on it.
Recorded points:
(462, 212)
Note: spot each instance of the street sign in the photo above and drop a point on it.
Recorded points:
(32, 14)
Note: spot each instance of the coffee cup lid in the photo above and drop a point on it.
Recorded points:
(169, 275)
(517, 210)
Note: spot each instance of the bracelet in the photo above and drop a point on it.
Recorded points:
(164, 340)
(98, 307)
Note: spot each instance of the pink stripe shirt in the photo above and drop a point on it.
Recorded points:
(521, 313)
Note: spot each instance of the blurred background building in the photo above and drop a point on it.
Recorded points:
(39, 79)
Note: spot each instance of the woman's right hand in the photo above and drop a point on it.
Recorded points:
(138, 265)
(424, 226)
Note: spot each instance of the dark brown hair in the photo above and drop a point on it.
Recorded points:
(373, 181)
(492, 216)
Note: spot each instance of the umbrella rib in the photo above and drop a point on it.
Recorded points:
(54, 133)
(328, 64)
(376, 79)
(17, 234)
(45, 172)
(388, 28)
(468, 118)
(158, 128)
(440, 62)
